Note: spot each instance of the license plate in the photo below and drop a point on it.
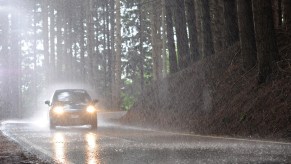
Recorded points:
(74, 116)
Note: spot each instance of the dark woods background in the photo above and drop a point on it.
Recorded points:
(117, 47)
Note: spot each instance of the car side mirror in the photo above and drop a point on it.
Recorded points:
(47, 103)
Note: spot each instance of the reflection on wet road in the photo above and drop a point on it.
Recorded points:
(114, 143)
(92, 149)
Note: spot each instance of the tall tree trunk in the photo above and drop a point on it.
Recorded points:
(82, 44)
(191, 20)
(170, 37)
(198, 8)
(217, 25)
(247, 33)
(277, 13)
(70, 49)
(45, 39)
(181, 33)
(280, 16)
(14, 62)
(105, 51)
(141, 42)
(34, 75)
(59, 41)
(5, 62)
(112, 55)
(164, 39)
(267, 50)
(97, 57)
(287, 15)
(208, 48)
(69, 35)
(90, 44)
(52, 42)
(231, 25)
(118, 58)
(156, 41)
(109, 62)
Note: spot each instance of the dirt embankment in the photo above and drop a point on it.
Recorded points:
(216, 96)
(11, 152)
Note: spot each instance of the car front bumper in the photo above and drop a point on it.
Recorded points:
(73, 118)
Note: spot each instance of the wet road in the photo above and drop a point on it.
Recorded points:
(114, 143)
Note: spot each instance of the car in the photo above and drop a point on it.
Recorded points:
(70, 107)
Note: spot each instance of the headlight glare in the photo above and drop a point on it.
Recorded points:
(58, 110)
(91, 109)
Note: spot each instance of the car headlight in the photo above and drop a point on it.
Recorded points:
(91, 109)
(58, 110)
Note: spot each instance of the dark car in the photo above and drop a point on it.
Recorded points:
(70, 107)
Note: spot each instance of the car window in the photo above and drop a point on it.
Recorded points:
(72, 97)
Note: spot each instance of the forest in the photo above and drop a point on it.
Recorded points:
(119, 48)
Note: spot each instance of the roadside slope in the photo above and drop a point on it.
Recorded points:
(11, 152)
(215, 96)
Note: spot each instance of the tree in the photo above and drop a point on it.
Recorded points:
(191, 20)
(45, 38)
(90, 41)
(231, 25)
(156, 40)
(52, 63)
(181, 34)
(111, 60)
(206, 29)
(277, 13)
(164, 53)
(141, 40)
(170, 38)
(267, 50)
(217, 25)
(287, 15)
(5, 64)
(117, 89)
(247, 33)
(60, 51)
(14, 63)
(82, 43)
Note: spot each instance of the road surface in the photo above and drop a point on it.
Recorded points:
(115, 143)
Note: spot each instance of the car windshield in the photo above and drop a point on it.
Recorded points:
(71, 97)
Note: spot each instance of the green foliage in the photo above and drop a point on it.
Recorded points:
(127, 102)
(242, 117)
